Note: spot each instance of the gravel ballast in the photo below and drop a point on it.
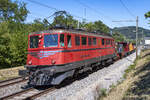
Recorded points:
(90, 87)
(11, 89)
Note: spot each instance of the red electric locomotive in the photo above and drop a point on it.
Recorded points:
(57, 54)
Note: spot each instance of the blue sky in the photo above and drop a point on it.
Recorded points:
(107, 10)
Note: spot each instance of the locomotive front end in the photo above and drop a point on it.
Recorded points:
(44, 54)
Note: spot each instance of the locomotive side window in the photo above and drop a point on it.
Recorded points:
(108, 42)
(94, 41)
(34, 42)
(83, 40)
(62, 40)
(99, 41)
(51, 40)
(103, 42)
(111, 42)
(89, 41)
(77, 40)
(69, 44)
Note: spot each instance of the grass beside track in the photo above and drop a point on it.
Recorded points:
(9, 72)
(136, 85)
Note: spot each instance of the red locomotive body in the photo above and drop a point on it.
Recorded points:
(59, 53)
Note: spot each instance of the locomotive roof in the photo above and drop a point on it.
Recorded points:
(74, 32)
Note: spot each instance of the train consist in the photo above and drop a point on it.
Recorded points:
(124, 49)
(57, 54)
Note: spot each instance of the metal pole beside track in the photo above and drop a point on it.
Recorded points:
(136, 36)
(136, 31)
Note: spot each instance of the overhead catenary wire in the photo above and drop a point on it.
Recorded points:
(131, 14)
(97, 11)
(35, 16)
(127, 9)
(50, 7)
(55, 9)
(81, 3)
(44, 5)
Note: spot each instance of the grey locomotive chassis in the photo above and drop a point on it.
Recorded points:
(54, 75)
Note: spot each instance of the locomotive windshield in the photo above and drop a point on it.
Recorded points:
(34, 42)
(51, 40)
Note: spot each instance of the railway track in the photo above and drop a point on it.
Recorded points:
(27, 94)
(12, 81)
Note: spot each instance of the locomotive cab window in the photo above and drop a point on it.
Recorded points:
(77, 40)
(34, 42)
(69, 44)
(62, 40)
(94, 41)
(99, 41)
(51, 40)
(103, 42)
(83, 40)
(89, 41)
(108, 42)
(112, 43)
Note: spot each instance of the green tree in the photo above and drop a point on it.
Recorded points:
(59, 20)
(4, 44)
(101, 27)
(119, 37)
(37, 25)
(62, 18)
(12, 39)
(89, 27)
(97, 26)
(71, 22)
(12, 11)
(147, 15)
(18, 48)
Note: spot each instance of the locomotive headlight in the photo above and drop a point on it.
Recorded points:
(53, 61)
(39, 41)
(30, 62)
(40, 36)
